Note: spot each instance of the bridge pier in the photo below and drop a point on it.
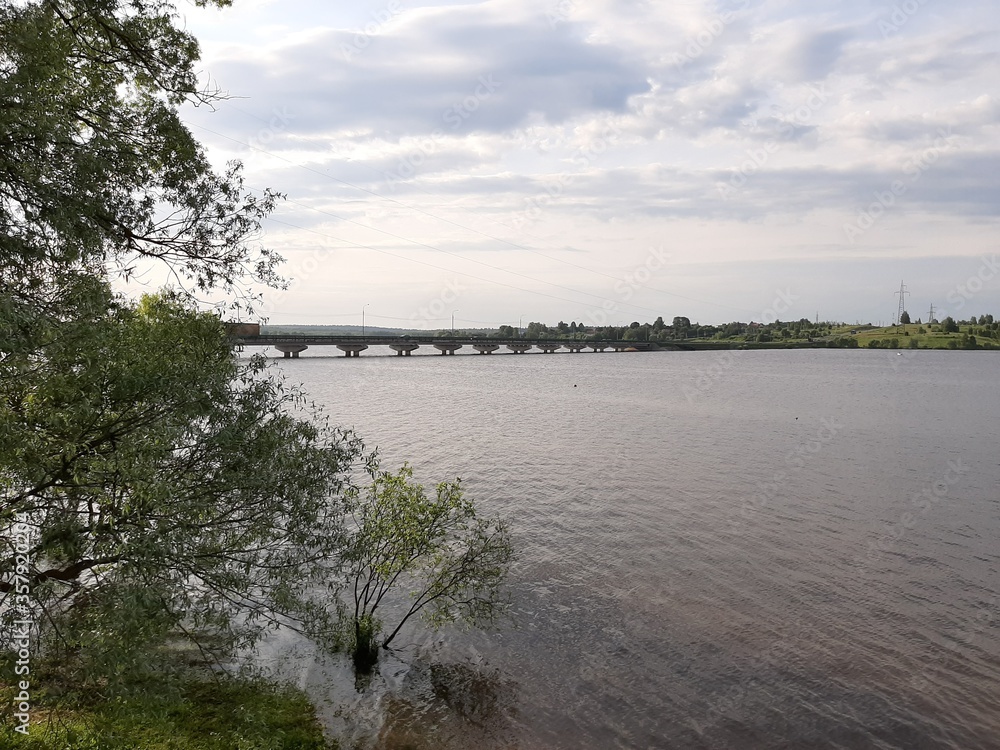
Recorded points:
(403, 349)
(519, 348)
(575, 347)
(549, 348)
(291, 350)
(447, 348)
(598, 347)
(486, 348)
(352, 350)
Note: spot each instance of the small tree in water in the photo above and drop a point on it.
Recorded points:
(451, 562)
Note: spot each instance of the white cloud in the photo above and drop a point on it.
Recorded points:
(504, 128)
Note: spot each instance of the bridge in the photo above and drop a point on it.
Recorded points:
(352, 346)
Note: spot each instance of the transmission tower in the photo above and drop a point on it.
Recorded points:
(902, 301)
(930, 315)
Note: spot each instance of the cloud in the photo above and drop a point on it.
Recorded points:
(455, 70)
(616, 123)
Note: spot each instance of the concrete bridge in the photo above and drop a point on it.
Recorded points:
(352, 346)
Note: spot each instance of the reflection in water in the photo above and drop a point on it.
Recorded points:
(451, 705)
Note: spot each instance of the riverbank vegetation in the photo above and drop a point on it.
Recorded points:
(162, 496)
(197, 712)
(974, 333)
(451, 562)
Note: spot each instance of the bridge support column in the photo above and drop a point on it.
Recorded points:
(519, 348)
(486, 348)
(291, 350)
(448, 348)
(352, 350)
(403, 349)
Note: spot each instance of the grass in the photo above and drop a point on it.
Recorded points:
(202, 714)
(929, 339)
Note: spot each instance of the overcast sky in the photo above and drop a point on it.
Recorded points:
(615, 160)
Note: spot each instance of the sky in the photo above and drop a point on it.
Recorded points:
(604, 161)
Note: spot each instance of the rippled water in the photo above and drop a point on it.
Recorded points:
(753, 550)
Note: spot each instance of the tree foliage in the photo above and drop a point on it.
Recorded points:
(450, 562)
(97, 171)
(169, 486)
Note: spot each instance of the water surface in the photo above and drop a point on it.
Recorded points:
(717, 550)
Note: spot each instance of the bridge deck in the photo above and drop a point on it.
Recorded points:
(307, 340)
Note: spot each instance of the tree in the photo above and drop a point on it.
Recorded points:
(451, 562)
(95, 165)
(904, 319)
(168, 488)
(948, 325)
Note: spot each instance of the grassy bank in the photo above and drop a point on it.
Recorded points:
(913, 336)
(197, 714)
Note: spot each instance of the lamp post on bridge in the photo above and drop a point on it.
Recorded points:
(453, 322)
(363, 318)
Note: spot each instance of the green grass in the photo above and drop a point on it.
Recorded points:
(228, 714)
(929, 339)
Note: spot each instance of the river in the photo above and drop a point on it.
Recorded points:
(761, 549)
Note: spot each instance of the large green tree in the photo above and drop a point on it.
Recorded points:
(164, 483)
(166, 486)
(169, 487)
